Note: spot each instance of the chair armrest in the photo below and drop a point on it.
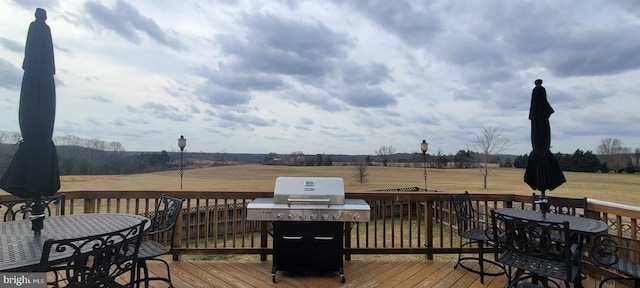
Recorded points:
(604, 253)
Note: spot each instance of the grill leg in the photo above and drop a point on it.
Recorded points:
(273, 273)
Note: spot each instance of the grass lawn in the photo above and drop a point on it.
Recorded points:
(620, 188)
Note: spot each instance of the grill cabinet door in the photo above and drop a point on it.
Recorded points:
(307, 245)
(326, 246)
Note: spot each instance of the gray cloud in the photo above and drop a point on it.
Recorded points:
(589, 53)
(99, 98)
(12, 45)
(415, 23)
(374, 74)
(239, 81)
(311, 53)
(165, 111)
(372, 97)
(33, 4)
(233, 119)
(126, 21)
(118, 123)
(287, 47)
(214, 95)
(10, 75)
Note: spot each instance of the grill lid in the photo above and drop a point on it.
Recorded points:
(309, 190)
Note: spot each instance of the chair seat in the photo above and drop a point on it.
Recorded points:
(151, 249)
(538, 265)
(476, 234)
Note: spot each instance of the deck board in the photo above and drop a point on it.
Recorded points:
(358, 273)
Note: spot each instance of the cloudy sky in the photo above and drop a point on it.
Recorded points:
(331, 76)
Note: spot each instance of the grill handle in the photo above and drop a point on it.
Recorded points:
(309, 200)
(323, 238)
(291, 237)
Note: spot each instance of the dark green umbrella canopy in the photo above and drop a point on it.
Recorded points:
(543, 171)
(33, 172)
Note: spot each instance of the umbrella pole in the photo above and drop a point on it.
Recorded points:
(544, 204)
(37, 216)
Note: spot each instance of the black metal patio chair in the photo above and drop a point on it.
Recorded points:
(619, 253)
(93, 261)
(560, 205)
(529, 249)
(159, 240)
(21, 208)
(476, 231)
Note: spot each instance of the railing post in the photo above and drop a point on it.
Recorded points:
(263, 240)
(177, 233)
(428, 229)
(347, 240)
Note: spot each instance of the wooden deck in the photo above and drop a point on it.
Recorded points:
(358, 273)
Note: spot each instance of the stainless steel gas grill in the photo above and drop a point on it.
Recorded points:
(308, 215)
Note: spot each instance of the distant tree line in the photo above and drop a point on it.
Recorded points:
(78, 156)
(579, 161)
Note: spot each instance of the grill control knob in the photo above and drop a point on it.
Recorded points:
(313, 216)
(336, 216)
(280, 216)
(291, 216)
(356, 217)
(325, 217)
(302, 217)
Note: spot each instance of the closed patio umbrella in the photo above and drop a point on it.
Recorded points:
(33, 172)
(543, 171)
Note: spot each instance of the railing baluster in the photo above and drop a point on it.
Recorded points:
(215, 223)
(207, 213)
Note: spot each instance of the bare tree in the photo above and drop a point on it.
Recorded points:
(613, 153)
(69, 140)
(610, 146)
(385, 152)
(361, 171)
(487, 145)
(10, 137)
(115, 147)
(296, 158)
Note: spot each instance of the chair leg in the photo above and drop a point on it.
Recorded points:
(147, 279)
(459, 257)
(481, 261)
(142, 267)
(168, 273)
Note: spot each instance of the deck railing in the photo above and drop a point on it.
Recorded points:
(401, 222)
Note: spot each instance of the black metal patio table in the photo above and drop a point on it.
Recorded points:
(20, 250)
(585, 227)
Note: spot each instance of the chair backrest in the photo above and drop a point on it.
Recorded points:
(465, 212)
(163, 220)
(21, 209)
(93, 261)
(561, 205)
(535, 239)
